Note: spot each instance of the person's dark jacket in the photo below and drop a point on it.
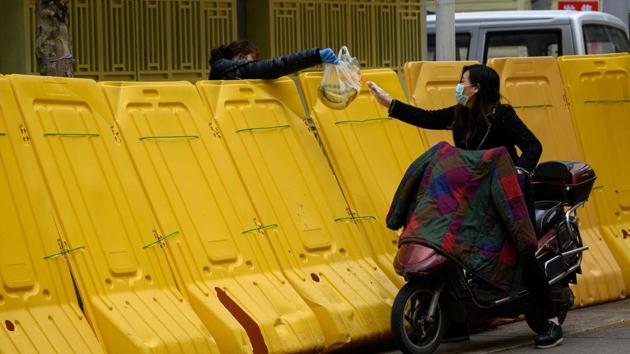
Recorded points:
(506, 130)
(226, 69)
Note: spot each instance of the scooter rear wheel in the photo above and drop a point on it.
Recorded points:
(413, 332)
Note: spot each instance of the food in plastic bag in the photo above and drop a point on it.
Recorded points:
(341, 82)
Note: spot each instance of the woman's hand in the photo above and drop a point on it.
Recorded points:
(379, 94)
(328, 56)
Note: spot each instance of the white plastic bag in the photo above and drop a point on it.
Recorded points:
(341, 82)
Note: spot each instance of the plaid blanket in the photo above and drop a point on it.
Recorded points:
(468, 205)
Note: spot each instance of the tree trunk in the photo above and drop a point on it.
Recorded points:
(53, 43)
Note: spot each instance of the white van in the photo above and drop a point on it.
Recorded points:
(484, 35)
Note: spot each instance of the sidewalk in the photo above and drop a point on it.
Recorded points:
(518, 337)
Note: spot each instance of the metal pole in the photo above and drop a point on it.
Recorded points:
(618, 8)
(423, 43)
(541, 5)
(445, 30)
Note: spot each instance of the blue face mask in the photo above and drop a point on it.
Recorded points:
(459, 94)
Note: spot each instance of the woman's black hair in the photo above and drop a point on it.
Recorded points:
(229, 51)
(474, 121)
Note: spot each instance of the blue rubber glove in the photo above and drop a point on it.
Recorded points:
(328, 56)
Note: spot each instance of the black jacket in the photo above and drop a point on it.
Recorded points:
(506, 130)
(225, 69)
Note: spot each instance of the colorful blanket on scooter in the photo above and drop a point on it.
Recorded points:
(468, 205)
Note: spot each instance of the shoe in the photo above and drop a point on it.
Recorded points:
(456, 333)
(550, 337)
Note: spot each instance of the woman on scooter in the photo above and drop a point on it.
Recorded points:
(478, 122)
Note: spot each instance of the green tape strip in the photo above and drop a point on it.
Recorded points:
(270, 226)
(169, 137)
(72, 134)
(263, 128)
(533, 106)
(64, 252)
(362, 121)
(606, 101)
(365, 217)
(260, 228)
(160, 239)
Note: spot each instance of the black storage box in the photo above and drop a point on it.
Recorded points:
(569, 182)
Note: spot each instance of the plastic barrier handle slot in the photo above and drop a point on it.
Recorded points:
(78, 135)
(3, 133)
(160, 239)
(64, 252)
(157, 137)
(358, 121)
(263, 128)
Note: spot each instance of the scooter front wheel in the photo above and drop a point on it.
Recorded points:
(413, 331)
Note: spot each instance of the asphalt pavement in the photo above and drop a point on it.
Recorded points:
(601, 329)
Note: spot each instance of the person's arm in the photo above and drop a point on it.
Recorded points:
(438, 119)
(279, 66)
(517, 132)
(427, 119)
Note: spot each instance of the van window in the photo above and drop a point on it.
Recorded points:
(522, 44)
(602, 39)
(462, 45)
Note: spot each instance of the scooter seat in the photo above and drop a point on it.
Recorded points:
(548, 213)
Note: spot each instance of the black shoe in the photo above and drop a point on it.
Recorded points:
(550, 337)
(456, 333)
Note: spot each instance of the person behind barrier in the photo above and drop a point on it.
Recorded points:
(239, 60)
(478, 122)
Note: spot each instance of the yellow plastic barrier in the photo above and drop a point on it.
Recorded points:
(113, 246)
(534, 88)
(598, 93)
(222, 256)
(295, 194)
(431, 85)
(369, 153)
(38, 307)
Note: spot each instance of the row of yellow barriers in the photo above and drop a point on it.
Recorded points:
(208, 218)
